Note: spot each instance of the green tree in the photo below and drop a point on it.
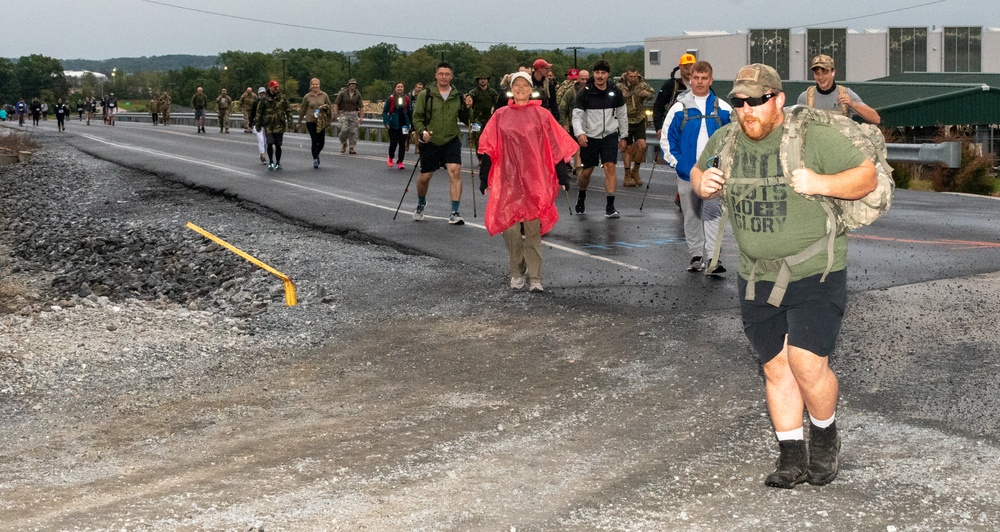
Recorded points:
(89, 85)
(418, 66)
(375, 63)
(377, 90)
(464, 58)
(10, 87)
(37, 72)
(501, 59)
(246, 69)
(618, 59)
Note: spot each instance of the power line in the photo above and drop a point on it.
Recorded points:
(365, 34)
(557, 44)
(874, 14)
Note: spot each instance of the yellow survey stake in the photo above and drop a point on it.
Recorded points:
(289, 287)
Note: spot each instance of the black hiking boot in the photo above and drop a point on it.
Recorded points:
(790, 469)
(824, 449)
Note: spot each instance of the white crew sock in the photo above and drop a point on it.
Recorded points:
(794, 434)
(824, 423)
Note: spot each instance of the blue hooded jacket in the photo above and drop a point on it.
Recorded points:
(684, 141)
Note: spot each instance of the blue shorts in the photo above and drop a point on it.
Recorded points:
(599, 151)
(199, 113)
(810, 315)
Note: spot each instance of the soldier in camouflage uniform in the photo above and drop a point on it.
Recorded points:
(165, 108)
(273, 115)
(567, 102)
(347, 109)
(154, 109)
(484, 98)
(636, 92)
(223, 103)
(246, 102)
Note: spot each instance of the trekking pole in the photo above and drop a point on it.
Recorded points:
(648, 181)
(407, 188)
(472, 173)
(569, 205)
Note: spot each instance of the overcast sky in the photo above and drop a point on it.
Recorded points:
(103, 29)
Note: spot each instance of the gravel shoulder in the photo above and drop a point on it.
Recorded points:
(150, 380)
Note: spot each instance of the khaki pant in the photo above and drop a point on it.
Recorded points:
(349, 128)
(224, 120)
(525, 251)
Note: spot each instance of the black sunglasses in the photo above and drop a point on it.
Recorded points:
(754, 102)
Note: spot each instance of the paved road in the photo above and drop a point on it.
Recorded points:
(640, 412)
(638, 259)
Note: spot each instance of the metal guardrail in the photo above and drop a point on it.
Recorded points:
(372, 130)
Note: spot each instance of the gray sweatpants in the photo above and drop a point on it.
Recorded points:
(701, 220)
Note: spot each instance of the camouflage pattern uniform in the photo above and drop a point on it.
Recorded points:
(165, 108)
(483, 102)
(635, 104)
(224, 102)
(273, 113)
(347, 109)
(567, 102)
(246, 102)
(154, 109)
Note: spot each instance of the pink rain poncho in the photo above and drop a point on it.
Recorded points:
(524, 143)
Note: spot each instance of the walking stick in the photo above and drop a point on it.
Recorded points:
(407, 189)
(472, 172)
(569, 205)
(648, 181)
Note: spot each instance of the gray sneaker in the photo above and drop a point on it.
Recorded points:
(456, 219)
(696, 265)
(419, 213)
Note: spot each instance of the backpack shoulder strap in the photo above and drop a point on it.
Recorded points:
(843, 107)
(811, 95)
(725, 158)
(428, 103)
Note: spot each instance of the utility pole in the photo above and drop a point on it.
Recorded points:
(574, 48)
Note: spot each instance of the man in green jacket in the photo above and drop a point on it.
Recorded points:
(436, 114)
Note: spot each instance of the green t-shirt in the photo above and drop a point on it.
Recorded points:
(773, 221)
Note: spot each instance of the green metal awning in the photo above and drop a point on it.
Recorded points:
(915, 99)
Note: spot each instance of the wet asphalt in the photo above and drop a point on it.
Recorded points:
(918, 355)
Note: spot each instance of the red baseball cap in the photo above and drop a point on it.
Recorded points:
(272, 83)
(573, 74)
(541, 63)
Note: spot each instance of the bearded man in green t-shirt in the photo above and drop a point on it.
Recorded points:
(773, 221)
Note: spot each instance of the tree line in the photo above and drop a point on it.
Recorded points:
(376, 69)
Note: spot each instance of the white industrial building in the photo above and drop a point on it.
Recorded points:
(859, 55)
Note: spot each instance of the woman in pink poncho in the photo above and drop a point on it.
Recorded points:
(523, 144)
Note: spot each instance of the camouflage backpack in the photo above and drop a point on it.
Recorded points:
(562, 88)
(848, 214)
(843, 215)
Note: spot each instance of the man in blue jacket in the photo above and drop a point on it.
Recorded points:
(689, 123)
